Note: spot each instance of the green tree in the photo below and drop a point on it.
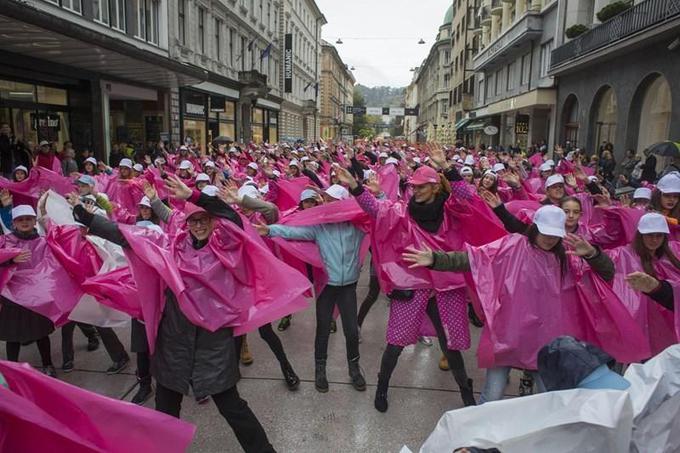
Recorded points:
(360, 122)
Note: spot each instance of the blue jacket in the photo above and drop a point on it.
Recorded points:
(338, 243)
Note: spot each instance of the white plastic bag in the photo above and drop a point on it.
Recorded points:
(558, 422)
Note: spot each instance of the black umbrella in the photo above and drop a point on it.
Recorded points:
(669, 149)
(222, 140)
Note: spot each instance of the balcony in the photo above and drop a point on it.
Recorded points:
(484, 16)
(528, 27)
(496, 7)
(636, 20)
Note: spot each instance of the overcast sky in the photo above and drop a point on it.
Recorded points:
(383, 61)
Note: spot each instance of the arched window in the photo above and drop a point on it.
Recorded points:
(570, 120)
(655, 114)
(605, 121)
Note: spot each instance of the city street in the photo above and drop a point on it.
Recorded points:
(305, 421)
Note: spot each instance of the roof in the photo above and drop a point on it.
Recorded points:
(448, 18)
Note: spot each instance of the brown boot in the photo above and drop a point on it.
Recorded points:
(246, 356)
(444, 363)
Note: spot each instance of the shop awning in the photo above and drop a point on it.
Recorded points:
(27, 31)
(476, 126)
(461, 124)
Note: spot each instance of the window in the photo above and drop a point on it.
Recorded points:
(148, 20)
(230, 57)
(73, 5)
(181, 8)
(526, 69)
(269, 15)
(201, 30)
(512, 77)
(218, 31)
(243, 53)
(118, 14)
(101, 11)
(480, 92)
(490, 85)
(261, 12)
(546, 49)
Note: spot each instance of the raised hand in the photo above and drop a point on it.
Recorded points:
(229, 195)
(512, 179)
(579, 246)
(73, 199)
(150, 191)
(625, 200)
(373, 185)
(418, 258)
(5, 198)
(438, 156)
(345, 176)
(491, 199)
(570, 180)
(177, 188)
(22, 257)
(641, 281)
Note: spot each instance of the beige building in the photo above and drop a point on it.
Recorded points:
(337, 91)
(411, 101)
(465, 25)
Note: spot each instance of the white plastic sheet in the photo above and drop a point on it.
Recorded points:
(559, 422)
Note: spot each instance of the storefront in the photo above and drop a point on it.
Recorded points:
(136, 115)
(265, 122)
(206, 116)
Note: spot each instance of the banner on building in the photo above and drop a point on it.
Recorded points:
(374, 111)
(288, 63)
(397, 111)
(411, 112)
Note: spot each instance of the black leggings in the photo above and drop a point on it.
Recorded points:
(44, 347)
(143, 366)
(391, 355)
(371, 297)
(273, 340)
(234, 409)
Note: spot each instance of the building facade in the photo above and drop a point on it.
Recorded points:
(411, 101)
(300, 119)
(465, 26)
(337, 93)
(514, 93)
(618, 82)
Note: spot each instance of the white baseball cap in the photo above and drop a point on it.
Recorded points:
(498, 167)
(391, 160)
(210, 190)
(653, 223)
(276, 173)
(145, 202)
(249, 190)
(550, 221)
(338, 192)
(554, 179)
(304, 159)
(368, 174)
(384, 155)
(254, 166)
(125, 163)
(466, 171)
(202, 177)
(307, 194)
(185, 165)
(21, 168)
(91, 160)
(669, 183)
(294, 163)
(44, 143)
(416, 160)
(138, 167)
(209, 163)
(23, 210)
(550, 162)
(491, 173)
(456, 157)
(642, 192)
(469, 160)
(545, 166)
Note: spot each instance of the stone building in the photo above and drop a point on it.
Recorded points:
(337, 92)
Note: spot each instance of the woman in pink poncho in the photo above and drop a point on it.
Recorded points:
(425, 217)
(508, 273)
(648, 279)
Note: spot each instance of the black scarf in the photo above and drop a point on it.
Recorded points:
(428, 216)
(26, 236)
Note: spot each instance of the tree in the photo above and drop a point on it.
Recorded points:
(360, 122)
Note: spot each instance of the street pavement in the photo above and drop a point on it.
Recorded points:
(305, 421)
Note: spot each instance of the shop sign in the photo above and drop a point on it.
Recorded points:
(288, 63)
(491, 130)
(194, 109)
(45, 121)
(522, 124)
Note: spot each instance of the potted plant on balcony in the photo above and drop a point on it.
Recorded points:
(575, 30)
(612, 10)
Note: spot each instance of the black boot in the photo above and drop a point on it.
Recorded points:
(144, 392)
(292, 379)
(467, 394)
(474, 319)
(320, 381)
(380, 401)
(358, 381)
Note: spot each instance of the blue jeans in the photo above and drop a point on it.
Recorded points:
(497, 381)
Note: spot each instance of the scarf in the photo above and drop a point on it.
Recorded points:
(26, 236)
(429, 216)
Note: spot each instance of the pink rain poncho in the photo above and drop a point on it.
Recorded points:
(527, 302)
(126, 192)
(39, 414)
(659, 325)
(233, 281)
(42, 284)
(39, 180)
(289, 190)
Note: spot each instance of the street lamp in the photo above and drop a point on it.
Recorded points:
(422, 41)
(352, 68)
(339, 41)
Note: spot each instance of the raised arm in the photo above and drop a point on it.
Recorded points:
(96, 224)
(159, 208)
(364, 198)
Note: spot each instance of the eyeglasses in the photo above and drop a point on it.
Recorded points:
(198, 221)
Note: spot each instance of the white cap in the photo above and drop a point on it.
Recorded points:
(469, 160)
(391, 160)
(416, 160)
(264, 189)
(368, 174)
(384, 155)
(642, 192)
(138, 167)
(307, 194)
(233, 150)
(150, 226)
(653, 223)
(550, 221)
(570, 156)
(491, 173)
(545, 166)
(20, 168)
(125, 163)
(202, 177)
(669, 183)
(44, 143)
(592, 179)
(185, 165)
(91, 160)
(498, 167)
(145, 202)
(249, 190)
(294, 163)
(254, 166)
(554, 179)
(551, 162)
(338, 192)
(304, 159)
(210, 191)
(456, 157)
(276, 173)
(466, 171)
(23, 210)
(209, 163)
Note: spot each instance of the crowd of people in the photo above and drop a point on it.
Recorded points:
(200, 247)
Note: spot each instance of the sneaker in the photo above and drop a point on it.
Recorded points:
(203, 400)
(292, 379)
(143, 394)
(93, 344)
(320, 381)
(119, 366)
(425, 341)
(444, 363)
(284, 324)
(334, 326)
(67, 367)
(50, 371)
(358, 381)
(246, 356)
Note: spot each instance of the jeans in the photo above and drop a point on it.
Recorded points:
(246, 426)
(497, 381)
(111, 342)
(345, 297)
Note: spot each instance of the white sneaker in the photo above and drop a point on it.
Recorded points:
(427, 341)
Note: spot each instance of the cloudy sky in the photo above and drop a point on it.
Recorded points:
(381, 36)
